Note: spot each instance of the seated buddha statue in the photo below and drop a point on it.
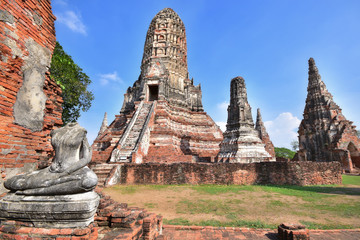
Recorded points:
(67, 174)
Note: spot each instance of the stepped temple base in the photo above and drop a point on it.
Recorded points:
(59, 211)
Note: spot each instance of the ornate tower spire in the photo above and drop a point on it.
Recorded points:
(239, 110)
(166, 42)
(104, 124)
(264, 136)
(318, 95)
(259, 123)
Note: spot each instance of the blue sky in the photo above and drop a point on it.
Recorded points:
(266, 42)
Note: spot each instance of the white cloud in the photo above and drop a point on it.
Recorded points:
(221, 111)
(222, 126)
(223, 106)
(283, 129)
(110, 77)
(61, 2)
(221, 115)
(72, 21)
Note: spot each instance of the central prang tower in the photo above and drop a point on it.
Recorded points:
(164, 72)
(162, 117)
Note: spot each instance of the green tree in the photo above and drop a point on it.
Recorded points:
(294, 145)
(73, 82)
(284, 153)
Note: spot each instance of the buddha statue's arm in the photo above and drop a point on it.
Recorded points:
(86, 158)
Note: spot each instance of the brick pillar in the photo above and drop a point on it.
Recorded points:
(291, 231)
(30, 101)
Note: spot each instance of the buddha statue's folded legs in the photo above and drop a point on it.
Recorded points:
(43, 182)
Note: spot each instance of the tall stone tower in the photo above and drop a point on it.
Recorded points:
(239, 110)
(324, 133)
(164, 72)
(241, 141)
(162, 118)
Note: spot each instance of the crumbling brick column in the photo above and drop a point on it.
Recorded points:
(30, 101)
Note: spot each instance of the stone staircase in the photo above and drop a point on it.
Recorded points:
(103, 171)
(133, 134)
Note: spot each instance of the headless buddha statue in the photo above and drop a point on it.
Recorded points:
(68, 173)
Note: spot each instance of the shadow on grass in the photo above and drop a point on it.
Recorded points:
(321, 189)
(272, 236)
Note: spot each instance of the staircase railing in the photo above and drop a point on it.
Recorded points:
(116, 151)
(144, 128)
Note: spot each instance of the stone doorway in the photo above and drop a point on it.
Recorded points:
(354, 155)
(153, 93)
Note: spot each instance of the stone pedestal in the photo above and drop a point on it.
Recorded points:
(59, 211)
(243, 146)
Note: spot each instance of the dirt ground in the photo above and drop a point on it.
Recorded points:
(269, 207)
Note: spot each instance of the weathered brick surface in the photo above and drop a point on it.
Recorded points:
(122, 222)
(281, 173)
(21, 148)
(105, 143)
(180, 135)
(176, 135)
(21, 230)
(171, 232)
(220, 233)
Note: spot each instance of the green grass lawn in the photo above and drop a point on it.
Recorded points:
(351, 180)
(255, 206)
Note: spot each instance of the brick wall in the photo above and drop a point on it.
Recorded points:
(27, 40)
(280, 173)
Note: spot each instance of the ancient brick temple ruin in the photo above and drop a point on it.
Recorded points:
(30, 101)
(242, 142)
(162, 117)
(324, 133)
